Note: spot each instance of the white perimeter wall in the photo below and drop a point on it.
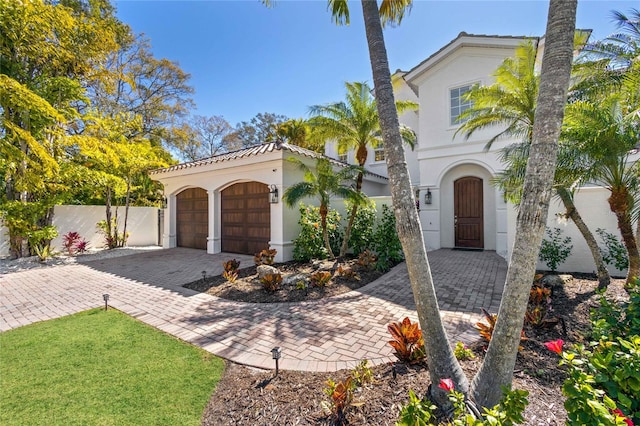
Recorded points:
(592, 205)
(142, 226)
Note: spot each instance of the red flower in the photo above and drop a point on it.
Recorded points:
(626, 419)
(555, 346)
(446, 384)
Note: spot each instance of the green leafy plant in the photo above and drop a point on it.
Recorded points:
(301, 285)
(614, 252)
(43, 251)
(271, 282)
(112, 236)
(320, 278)
(555, 250)
(407, 341)
(265, 257)
(508, 412)
(230, 272)
(309, 244)
(22, 221)
(362, 374)
(386, 243)
(462, 352)
(361, 237)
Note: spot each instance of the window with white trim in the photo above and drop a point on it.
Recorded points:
(458, 104)
(343, 157)
(378, 152)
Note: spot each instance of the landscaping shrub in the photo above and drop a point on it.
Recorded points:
(73, 243)
(231, 270)
(361, 237)
(386, 243)
(555, 250)
(265, 257)
(603, 381)
(407, 341)
(614, 252)
(320, 278)
(271, 282)
(309, 244)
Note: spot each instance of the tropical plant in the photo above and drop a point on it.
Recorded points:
(407, 341)
(361, 237)
(320, 278)
(613, 253)
(230, 272)
(309, 243)
(386, 243)
(354, 124)
(463, 352)
(271, 282)
(555, 250)
(324, 183)
(265, 257)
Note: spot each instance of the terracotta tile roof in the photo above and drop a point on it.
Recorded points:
(253, 151)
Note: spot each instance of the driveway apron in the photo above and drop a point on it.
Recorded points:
(325, 335)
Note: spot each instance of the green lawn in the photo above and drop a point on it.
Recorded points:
(102, 368)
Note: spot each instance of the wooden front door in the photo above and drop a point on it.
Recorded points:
(468, 219)
(192, 218)
(246, 218)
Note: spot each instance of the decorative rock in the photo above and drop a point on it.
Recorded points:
(293, 279)
(556, 280)
(266, 270)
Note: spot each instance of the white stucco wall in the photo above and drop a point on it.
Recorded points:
(142, 226)
(592, 204)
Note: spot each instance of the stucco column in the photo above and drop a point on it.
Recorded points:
(169, 234)
(213, 239)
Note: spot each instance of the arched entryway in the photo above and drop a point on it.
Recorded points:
(192, 218)
(245, 218)
(468, 209)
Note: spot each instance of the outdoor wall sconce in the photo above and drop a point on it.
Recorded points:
(164, 202)
(428, 197)
(273, 194)
(105, 297)
(276, 353)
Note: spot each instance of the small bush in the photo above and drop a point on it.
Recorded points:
(361, 237)
(231, 270)
(348, 273)
(69, 242)
(367, 260)
(614, 252)
(486, 330)
(362, 374)
(309, 243)
(320, 278)
(407, 341)
(555, 250)
(386, 243)
(271, 282)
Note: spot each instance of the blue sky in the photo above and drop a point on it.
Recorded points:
(245, 58)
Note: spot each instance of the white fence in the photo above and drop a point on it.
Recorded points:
(142, 225)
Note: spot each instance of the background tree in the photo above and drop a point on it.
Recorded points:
(323, 183)
(354, 124)
(258, 130)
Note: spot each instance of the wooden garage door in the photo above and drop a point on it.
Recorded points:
(469, 221)
(246, 218)
(192, 218)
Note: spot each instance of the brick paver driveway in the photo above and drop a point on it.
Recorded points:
(324, 335)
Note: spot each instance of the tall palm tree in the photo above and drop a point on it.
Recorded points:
(354, 124)
(497, 367)
(324, 183)
(511, 102)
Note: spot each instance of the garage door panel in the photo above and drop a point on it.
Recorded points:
(246, 220)
(192, 218)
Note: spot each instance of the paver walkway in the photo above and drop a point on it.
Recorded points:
(324, 335)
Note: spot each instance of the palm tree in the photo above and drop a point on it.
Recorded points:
(354, 124)
(605, 130)
(511, 102)
(497, 367)
(323, 184)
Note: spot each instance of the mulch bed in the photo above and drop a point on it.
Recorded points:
(248, 396)
(248, 288)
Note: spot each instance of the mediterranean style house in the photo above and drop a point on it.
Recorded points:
(232, 202)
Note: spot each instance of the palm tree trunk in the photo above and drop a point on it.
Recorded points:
(497, 368)
(619, 204)
(324, 210)
(352, 217)
(440, 359)
(572, 212)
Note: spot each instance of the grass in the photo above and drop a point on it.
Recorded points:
(102, 368)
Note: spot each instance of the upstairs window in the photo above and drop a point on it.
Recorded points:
(378, 152)
(458, 103)
(343, 157)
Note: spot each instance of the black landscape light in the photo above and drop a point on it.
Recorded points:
(105, 297)
(204, 275)
(276, 353)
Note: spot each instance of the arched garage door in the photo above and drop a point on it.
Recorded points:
(192, 218)
(246, 218)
